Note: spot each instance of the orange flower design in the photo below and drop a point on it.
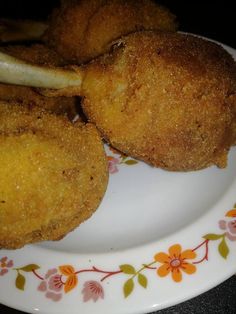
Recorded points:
(231, 213)
(72, 280)
(175, 262)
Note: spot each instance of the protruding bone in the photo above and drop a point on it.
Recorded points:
(18, 72)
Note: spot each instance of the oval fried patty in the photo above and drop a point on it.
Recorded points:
(53, 175)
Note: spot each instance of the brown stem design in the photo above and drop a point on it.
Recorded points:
(200, 245)
(37, 275)
(149, 267)
(205, 257)
(95, 269)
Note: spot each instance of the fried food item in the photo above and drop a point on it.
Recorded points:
(40, 55)
(29, 97)
(160, 97)
(167, 102)
(53, 175)
(82, 30)
(37, 54)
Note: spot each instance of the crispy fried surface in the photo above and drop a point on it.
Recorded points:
(164, 98)
(53, 175)
(36, 53)
(41, 55)
(30, 97)
(82, 30)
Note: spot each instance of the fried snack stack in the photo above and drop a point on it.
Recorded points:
(159, 96)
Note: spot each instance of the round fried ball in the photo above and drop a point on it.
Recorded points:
(164, 98)
(53, 175)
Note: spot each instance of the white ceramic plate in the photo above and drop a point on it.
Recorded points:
(113, 262)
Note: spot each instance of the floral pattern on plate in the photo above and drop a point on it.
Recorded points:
(176, 262)
(118, 158)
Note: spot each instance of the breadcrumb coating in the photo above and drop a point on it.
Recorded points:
(40, 55)
(165, 98)
(53, 175)
(82, 30)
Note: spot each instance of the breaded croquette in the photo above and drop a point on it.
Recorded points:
(164, 98)
(53, 175)
(82, 30)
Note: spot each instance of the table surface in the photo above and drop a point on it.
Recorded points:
(214, 20)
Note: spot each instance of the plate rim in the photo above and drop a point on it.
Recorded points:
(217, 210)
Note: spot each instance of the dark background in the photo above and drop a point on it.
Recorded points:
(213, 19)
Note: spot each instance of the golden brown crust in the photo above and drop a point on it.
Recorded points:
(164, 98)
(82, 30)
(40, 55)
(27, 96)
(53, 175)
(37, 54)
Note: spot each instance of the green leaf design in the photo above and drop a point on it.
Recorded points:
(127, 269)
(29, 268)
(131, 162)
(128, 287)
(20, 282)
(142, 280)
(212, 236)
(223, 248)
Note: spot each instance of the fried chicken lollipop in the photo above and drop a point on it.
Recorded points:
(82, 30)
(53, 175)
(164, 98)
(40, 55)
